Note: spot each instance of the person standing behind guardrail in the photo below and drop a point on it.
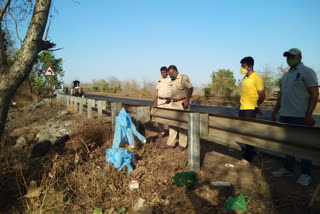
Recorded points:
(297, 100)
(181, 92)
(252, 96)
(163, 93)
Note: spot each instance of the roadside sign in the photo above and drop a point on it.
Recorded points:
(49, 72)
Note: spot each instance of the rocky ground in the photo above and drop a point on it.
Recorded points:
(70, 175)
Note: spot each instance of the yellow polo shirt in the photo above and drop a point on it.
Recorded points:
(250, 87)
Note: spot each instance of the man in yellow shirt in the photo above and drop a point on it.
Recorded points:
(252, 96)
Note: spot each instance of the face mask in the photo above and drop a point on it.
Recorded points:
(243, 71)
(292, 62)
(172, 77)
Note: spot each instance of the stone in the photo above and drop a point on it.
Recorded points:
(63, 112)
(31, 107)
(41, 136)
(31, 136)
(139, 204)
(33, 190)
(111, 211)
(56, 125)
(147, 210)
(38, 104)
(21, 142)
(43, 102)
(138, 171)
(58, 146)
(41, 149)
(12, 140)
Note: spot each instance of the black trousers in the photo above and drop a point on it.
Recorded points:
(249, 151)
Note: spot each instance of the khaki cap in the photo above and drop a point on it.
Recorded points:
(292, 52)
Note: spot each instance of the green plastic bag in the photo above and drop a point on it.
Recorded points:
(187, 179)
(122, 210)
(98, 211)
(237, 203)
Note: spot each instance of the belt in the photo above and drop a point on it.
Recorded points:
(163, 98)
(177, 100)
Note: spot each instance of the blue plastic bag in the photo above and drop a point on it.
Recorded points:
(125, 130)
(120, 158)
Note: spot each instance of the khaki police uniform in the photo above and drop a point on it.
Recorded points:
(164, 91)
(179, 91)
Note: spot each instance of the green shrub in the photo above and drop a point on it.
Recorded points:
(95, 88)
(207, 92)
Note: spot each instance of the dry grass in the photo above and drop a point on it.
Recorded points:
(71, 183)
(79, 181)
(24, 95)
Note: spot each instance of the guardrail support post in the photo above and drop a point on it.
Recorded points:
(76, 104)
(142, 116)
(71, 101)
(99, 104)
(68, 100)
(59, 98)
(115, 109)
(64, 99)
(204, 125)
(89, 108)
(104, 105)
(81, 100)
(194, 141)
(93, 103)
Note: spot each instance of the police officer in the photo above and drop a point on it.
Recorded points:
(181, 92)
(163, 93)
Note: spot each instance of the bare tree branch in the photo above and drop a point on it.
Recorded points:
(55, 49)
(3, 57)
(46, 35)
(3, 11)
(16, 23)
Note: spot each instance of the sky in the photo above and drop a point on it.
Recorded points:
(132, 39)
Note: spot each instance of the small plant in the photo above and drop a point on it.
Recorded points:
(95, 88)
(38, 85)
(116, 89)
(207, 92)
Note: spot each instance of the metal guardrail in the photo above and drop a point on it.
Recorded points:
(300, 141)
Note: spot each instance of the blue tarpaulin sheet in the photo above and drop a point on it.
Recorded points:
(124, 132)
(120, 158)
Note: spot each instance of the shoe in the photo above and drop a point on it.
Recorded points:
(304, 179)
(162, 134)
(282, 172)
(180, 148)
(243, 162)
(166, 146)
(144, 141)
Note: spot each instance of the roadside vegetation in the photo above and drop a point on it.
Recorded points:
(223, 86)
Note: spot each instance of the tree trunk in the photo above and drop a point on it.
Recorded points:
(11, 78)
